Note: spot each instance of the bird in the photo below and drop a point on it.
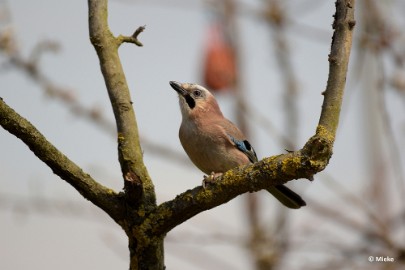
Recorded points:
(213, 143)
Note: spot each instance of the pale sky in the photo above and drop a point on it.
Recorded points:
(32, 237)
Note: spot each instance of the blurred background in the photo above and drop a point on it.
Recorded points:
(267, 63)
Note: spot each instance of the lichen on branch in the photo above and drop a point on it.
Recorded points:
(304, 163)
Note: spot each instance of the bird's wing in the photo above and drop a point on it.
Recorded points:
(245, 147)
(285, 195)
(236, 138)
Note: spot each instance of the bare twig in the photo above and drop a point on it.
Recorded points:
(145, 223)
(132, 39)
(37, 204)
(338, 64)
(31, 68)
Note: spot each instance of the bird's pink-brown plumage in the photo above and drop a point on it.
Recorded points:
(213, 143)
(206, 138)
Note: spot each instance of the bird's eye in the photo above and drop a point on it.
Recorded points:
(197, 93)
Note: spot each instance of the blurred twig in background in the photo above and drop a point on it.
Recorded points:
(374, 214)
(30, 67)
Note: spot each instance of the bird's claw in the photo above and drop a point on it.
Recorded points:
(210, 179)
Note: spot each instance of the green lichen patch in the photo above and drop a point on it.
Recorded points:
(291, 165)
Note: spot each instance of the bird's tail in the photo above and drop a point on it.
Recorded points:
(287, 197)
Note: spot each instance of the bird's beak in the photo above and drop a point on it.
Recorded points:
(179, 89)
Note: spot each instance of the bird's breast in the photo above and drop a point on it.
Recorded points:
(209, 148)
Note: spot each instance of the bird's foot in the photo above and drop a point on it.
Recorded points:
(210, 179)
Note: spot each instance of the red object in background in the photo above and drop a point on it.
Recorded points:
(220, 61)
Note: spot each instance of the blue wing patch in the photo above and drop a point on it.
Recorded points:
(245, 147)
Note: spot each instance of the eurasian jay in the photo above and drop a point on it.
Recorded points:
(213, 143)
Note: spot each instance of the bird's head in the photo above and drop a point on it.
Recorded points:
(195, 100)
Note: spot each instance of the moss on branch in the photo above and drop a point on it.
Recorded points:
(311, 159)
(264, 174)
(145, 223)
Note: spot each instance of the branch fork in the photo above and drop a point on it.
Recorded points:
(132, 39)
(145, 222)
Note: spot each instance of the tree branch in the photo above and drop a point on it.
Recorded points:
(338, 64)
(311, 159)
(266, 173)
(137, 184)
(132, 39)
(30, 67)
(66, 169)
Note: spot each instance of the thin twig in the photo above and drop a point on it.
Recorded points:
(31, 68)
(132, 39)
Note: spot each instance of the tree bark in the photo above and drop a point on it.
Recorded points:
(137, 181)
(135, 209)
(146, 249)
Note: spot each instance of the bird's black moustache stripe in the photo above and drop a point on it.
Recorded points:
(190, 101)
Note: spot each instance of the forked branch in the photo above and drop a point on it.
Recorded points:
(137, 183)
(311, 159)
